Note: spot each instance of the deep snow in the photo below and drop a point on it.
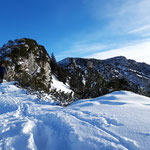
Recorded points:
(117, 121)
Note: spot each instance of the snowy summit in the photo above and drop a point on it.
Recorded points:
(116, 121)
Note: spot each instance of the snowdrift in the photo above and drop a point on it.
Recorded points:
(117, 121)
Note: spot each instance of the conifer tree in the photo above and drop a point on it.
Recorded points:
(53, 63)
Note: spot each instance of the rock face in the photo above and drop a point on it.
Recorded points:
(117, 71)
(28, 63)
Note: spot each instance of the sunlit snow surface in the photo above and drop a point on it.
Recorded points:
(56, 84)
(117, 121)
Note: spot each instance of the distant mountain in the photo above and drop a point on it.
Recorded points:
(116, 73)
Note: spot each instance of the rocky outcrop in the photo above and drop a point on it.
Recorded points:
(28, 63)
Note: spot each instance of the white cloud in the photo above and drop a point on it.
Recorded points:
(141, 29)
(146, 35)
(80, 49)
(83, 48)
(139, 52)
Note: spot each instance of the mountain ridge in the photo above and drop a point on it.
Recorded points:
(30, 64)
(136, 73)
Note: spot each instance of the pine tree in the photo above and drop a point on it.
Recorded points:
(53, 63)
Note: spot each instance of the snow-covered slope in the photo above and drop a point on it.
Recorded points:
(58, 85)
(117, 121)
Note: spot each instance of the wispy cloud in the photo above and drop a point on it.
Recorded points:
(139, 52)
(127, 19)
(141, 29)
(85, 48)
(118, 22)
(132, 17)
(146, 35)
(121, 16)
(81, 49)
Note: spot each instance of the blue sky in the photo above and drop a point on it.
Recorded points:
(80, 28)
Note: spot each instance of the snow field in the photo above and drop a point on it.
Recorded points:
(117, 121)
